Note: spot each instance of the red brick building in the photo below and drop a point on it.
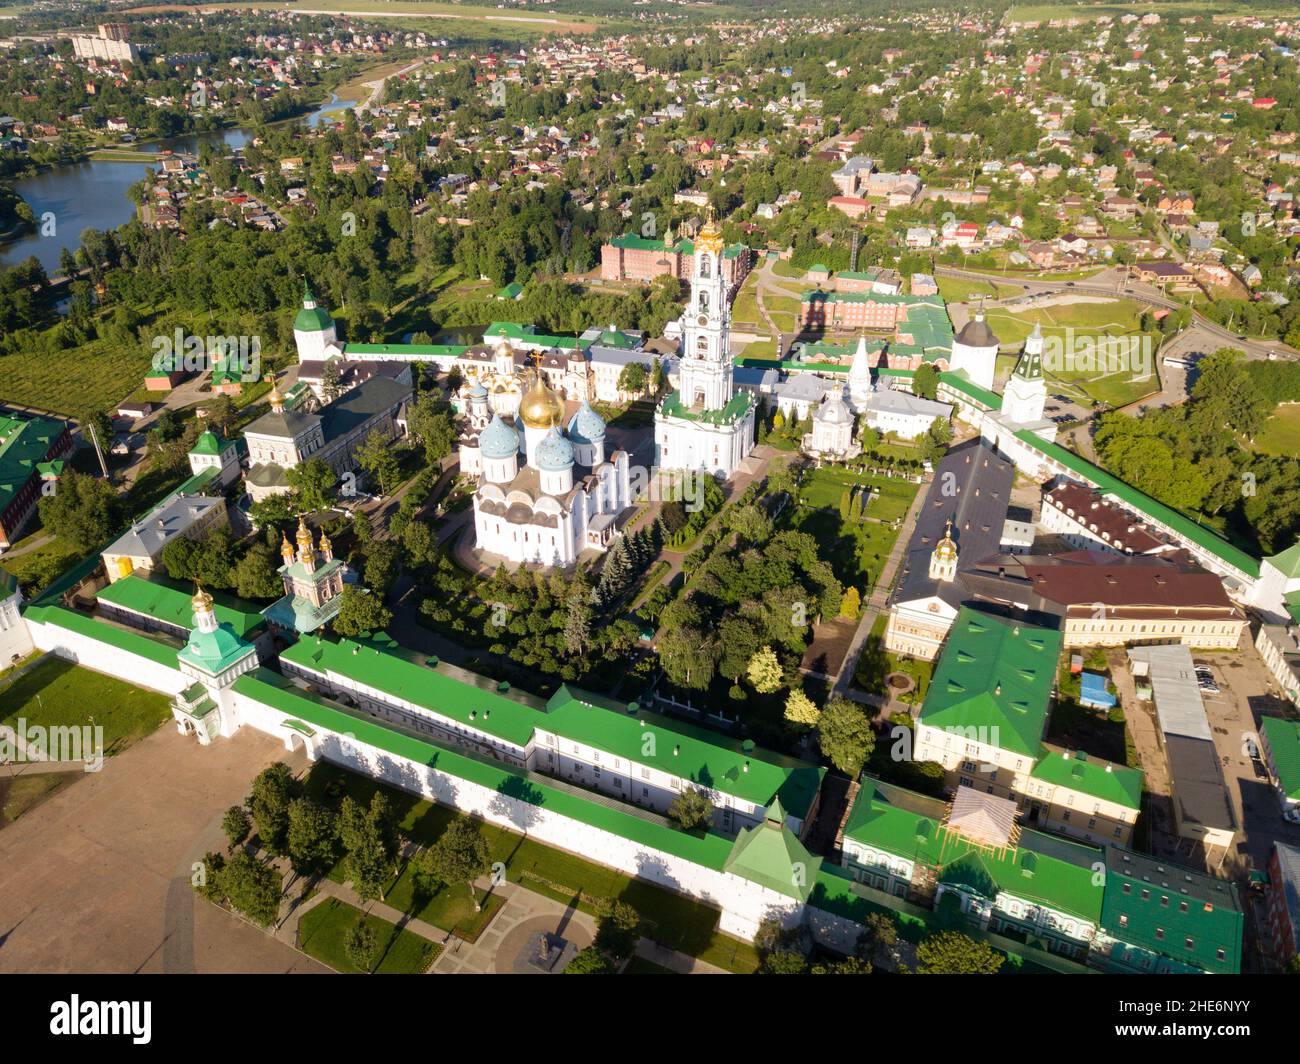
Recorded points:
(26, 443)
(636, 258)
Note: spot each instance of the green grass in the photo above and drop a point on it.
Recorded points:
(961, 290)
(105, 374)
(449, 908)
(58, 693)
(857, 547)
(671, 919)
(323, 931)
(1281, 433)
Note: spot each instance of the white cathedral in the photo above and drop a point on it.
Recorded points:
(546, 493)
(705, 424)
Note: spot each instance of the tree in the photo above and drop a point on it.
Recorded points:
(380, 570)
(879, 936)
(851, 604)
(236, 824)
(361, 612)
(925, 381)
(619, 929)
(361, 945)
(460, 855)
(952, 953)
(255, 575)
(800, 709)
(273, 790)
(82, 510)
(764, 672)
(691, 809)
(632, 380)
(251, 887)
(376, 457)
(313, 483)
(845, 736)
(845, 966)
(369, 839)
(313, 835)
(589, 961)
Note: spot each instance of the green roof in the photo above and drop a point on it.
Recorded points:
(1172, 911)
(315, 319)
(24, 443)
(1089, 775)
(1203, 537)
(709, 850)
(407, 350)
(771, 855)
(476, 702)
(1288, 561)
(681, 749)
(510, 330)
(957, 379)
(737, 406)
(214, 651)
(511, 291)
(170, 602)
(209, 442)
(1284, 743)
(994, 675)
(1040, 869)
(104, 631)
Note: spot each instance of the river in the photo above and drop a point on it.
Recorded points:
(93, 194)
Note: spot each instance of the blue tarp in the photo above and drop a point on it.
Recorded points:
(1093, 691)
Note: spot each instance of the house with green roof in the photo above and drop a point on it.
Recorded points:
(1025, 884)
(617, 749)
(986, 709)
(26, 443)
(1159, 918)
(1074, 793)
(153, 602)
(211, 451)
(1279, 742)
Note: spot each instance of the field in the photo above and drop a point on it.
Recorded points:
(1174, 9)
(103, 376)
(58, 693)
(400, 9)
(961, 290)
(672, 920)
(324, 929)
(1115, 386)
(1281, 435)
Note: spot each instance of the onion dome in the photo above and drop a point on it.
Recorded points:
(946, 550)
(304, 535)
(541, 406)
(586, 426)
(710, 238)
(311, 318)
(478, 391)
(275, 398)
(286, 549)
(498, 440)
(202, 601)
(976, 333)
(554, 453)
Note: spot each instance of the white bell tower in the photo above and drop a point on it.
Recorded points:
(704, 373)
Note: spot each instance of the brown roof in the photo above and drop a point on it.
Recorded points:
(1151, 585)
(1112, 523)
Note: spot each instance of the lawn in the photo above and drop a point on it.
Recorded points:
(105, 375)
(323, 931)
(58, 693)
(859, 545)
(449, 908)
(671, 919)
(1281, 434)
(961, 290)
(641, 966)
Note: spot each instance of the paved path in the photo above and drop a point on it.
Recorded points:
(878, 601)
(97, 878)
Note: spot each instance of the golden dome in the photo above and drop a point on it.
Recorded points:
(202, 601)
(504, 348)
(304, 535)
(710, 238)
(541, 407)
(275, 398)
(946, 550)
(286, 548)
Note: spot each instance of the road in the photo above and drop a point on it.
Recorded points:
(1115, 284)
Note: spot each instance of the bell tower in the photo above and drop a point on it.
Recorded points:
(943, 562)
(705, 372)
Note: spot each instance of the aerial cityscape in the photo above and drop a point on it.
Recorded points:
(649, 487)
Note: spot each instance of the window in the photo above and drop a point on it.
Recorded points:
(1160, 934)
(1182, 906)
(1187, 943)
(1123, 921)
(1146, 894)
(1128, 888)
